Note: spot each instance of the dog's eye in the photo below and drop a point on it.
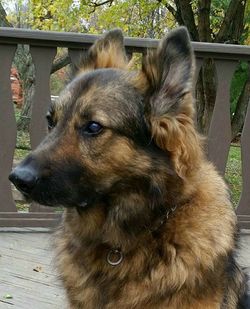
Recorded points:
(50, 121)
(92, 128)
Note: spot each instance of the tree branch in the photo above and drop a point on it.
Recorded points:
(60, 63)
(221, 36)
(204, 7)
(176, 14)
(188, 17)
(95, 4)
(3, 18)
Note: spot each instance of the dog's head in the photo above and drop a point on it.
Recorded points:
(113, 130)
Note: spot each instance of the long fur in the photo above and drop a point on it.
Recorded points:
(140, 188)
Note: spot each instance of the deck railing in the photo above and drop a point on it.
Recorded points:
(43, 48)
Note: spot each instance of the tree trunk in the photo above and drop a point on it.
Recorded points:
(200, 102)
(204, 7)
(26, 71)
(237, 25)
(188, 17)
(24, 64)
(209, 86)
(231, 30)
(24, 120)
(241, 108)
(223, 34)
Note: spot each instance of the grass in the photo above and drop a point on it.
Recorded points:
(232, 176)
(21, 151)
(22, 145)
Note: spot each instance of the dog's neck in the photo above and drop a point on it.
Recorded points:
(119, 223)
(114, 234)
(128, 215)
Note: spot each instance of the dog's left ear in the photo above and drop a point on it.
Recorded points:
(166, 80)
(106, 52)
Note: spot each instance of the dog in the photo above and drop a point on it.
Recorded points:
(148, 221)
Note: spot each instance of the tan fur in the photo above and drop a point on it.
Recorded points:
(104, 60)
(184, 258)
(161, 202)
(178, 136)
(193, 243)
(106, 53)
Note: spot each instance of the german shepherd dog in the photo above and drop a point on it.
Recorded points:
(147, 221)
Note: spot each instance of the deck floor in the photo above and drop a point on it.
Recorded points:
(27, 273)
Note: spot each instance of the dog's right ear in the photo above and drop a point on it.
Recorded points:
(106, 52)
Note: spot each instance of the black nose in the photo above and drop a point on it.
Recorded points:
(24, 178)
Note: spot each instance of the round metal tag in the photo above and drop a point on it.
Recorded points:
(114, 257)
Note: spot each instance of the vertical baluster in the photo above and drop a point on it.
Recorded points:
(7, 128)
(244, 204)
(43, 58)
(220, 128)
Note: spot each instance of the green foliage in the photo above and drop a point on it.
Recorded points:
(17, 113)
(18, 13)
(218, 9)
(246, 34)
(47, 16)
(56, 15)
(234, 174)
(58, 81)
(136, 18)
(238, 81)
(23, 140)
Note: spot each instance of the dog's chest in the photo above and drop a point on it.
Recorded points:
(94, 283)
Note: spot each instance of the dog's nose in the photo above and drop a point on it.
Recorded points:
(24, 178)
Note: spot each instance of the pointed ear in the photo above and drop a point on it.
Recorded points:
(106, 52)
(166, 81)
(169, 71)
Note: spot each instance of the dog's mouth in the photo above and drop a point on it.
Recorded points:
(54, 188)
(49, 193)
(53, 201)
(60, 198)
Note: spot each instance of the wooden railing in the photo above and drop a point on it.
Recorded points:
(43, 48)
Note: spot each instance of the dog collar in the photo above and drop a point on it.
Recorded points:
(115, 256)
(163, 219)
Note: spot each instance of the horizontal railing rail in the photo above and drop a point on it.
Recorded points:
(82, 41)
(43, 48)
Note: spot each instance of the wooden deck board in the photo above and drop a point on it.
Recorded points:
(23, 251)
(20, 255)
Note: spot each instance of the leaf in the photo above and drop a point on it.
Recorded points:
(8, 296)
(38, 269)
